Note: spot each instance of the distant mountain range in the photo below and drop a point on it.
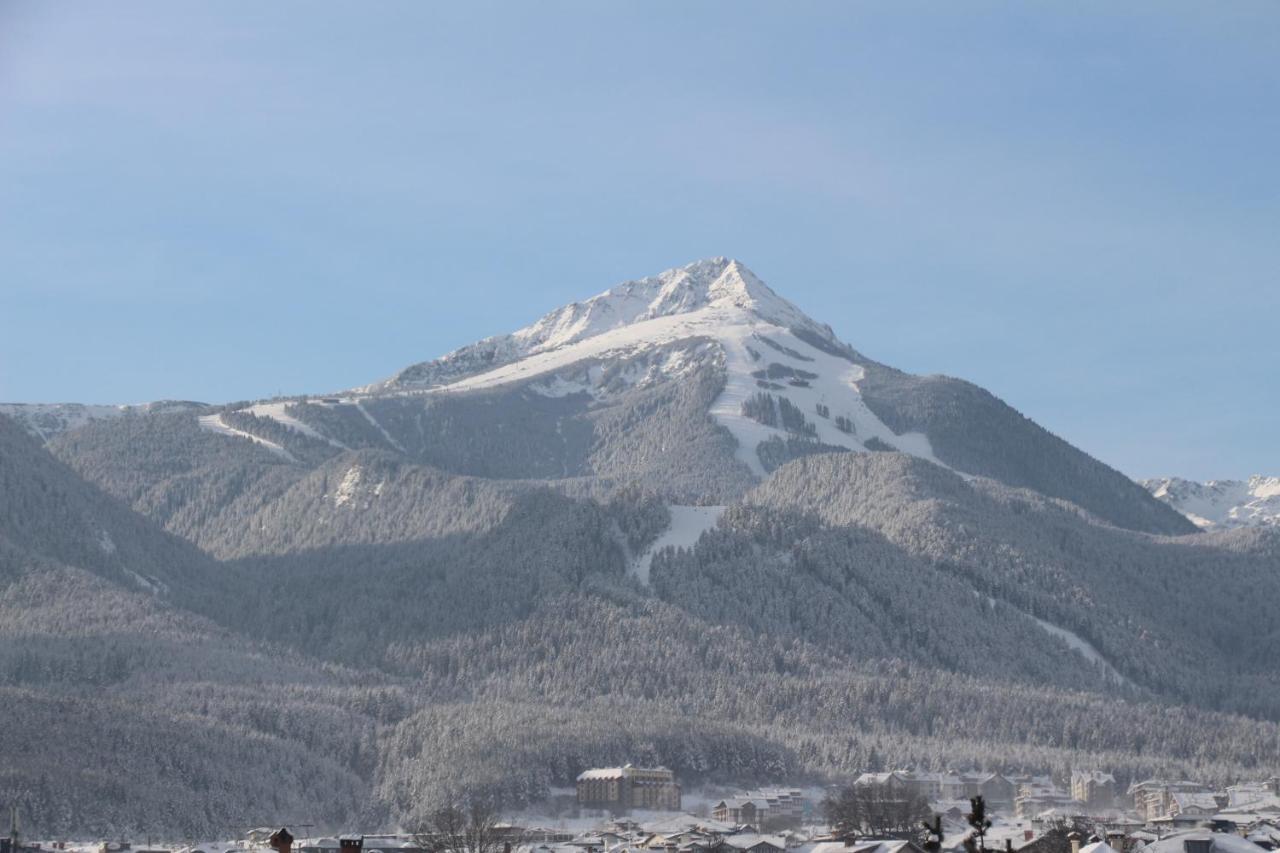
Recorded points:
(678, 522)
(1222, 503)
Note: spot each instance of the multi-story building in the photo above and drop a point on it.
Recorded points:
(741, 811)
(1040, 796)
(629, 787)
(997, 790)
(766, 808)
(1153, 798)
(1094, 788)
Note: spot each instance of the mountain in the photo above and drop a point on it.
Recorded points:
(695, 383)
(679, 522)
(1221, 503)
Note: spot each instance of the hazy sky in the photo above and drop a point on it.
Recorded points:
(1075, 205)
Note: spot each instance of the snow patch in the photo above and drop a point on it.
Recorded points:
(150, 585)
(347, 488)
(688, 523)
(105, 542)
(352, 483)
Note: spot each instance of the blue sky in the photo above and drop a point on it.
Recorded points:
(1075, 205)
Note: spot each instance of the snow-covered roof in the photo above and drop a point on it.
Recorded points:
(1267, 804)
(745, 840)
(740, 802)
(1098, 847)
(1222, 842)
(1186, 800)
(602, 773)
(860, 847)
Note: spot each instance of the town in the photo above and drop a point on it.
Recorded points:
(628, 809)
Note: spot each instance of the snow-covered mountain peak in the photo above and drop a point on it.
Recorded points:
(718, 283)
(722, 283)
(786, 377)
(1222, 503)
(712, 293)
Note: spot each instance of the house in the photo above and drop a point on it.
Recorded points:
(763, 809)
(1036, 800)
(951, 786)
(1198, 804)
(787, 806)
(995, 789)
(1190, 810)
(752, 843)
(628, 787)
(895, 781)
(1153, 798)
(867, 846)
(1094, 788)
(742, 811)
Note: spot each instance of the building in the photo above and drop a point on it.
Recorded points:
(1095, 789)
(998, 791)
(1195, 808)
(765, 808)
(748, 843)
(629, 787)
(1036, 798)
(1153, 798)
(1202, 841)
(741, 811)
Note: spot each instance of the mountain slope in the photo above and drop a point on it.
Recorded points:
(99, 658)
(1124, 594)
(973, 431)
